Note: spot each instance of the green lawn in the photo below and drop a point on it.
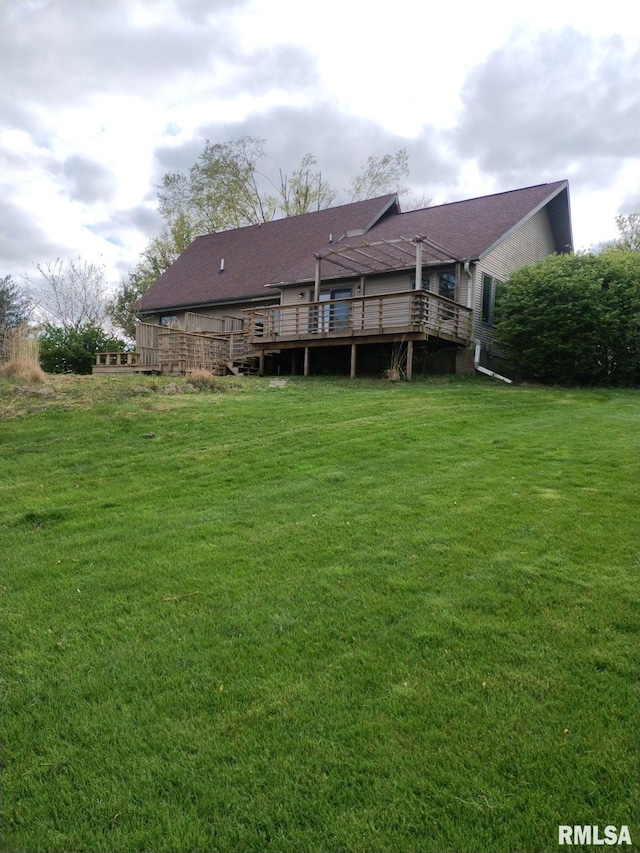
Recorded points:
(333, 616)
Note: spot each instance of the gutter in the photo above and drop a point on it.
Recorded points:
(476, 364)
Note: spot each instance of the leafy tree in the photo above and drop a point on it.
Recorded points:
(15, 305)
(220, 190)
(70, 293)
(161, 252)
(629, 232)
(225, 188)
(574, 319)
(73, 350)
(381, 175)
(305, 190)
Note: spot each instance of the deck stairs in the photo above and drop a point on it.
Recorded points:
(247, 366)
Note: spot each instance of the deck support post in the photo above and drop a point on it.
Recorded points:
(261, 363)
(409, 360)
(352, 372)
(306, 360)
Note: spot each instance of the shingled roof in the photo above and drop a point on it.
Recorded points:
(256, 255)
(283, 251)
(467, 230)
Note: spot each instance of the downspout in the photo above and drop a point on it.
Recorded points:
(467, 269)
(476, 364)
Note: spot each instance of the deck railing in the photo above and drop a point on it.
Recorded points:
(180, 351)
(387, 314)
(118, 359)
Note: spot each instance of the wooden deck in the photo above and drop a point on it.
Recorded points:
(177, 352)
(412, 315)
(238, 347)
(123, 362)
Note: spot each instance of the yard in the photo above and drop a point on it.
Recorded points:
(326, 616)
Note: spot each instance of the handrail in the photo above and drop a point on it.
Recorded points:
(408, 311)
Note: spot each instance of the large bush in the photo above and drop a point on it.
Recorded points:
(574, 319)
(68, 350)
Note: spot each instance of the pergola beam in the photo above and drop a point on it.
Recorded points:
(387, 255)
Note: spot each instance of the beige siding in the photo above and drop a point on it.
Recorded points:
(393, 283)
(530, 243)
(374, 286)
(291, 295)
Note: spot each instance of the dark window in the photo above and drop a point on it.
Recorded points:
(491, 291)
(447, 285)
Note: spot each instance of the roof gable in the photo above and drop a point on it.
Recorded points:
(471, 228)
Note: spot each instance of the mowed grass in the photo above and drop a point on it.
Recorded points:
(333, 616)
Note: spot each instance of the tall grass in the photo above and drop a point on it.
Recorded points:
(20, 353)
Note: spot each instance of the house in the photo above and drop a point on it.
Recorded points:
(343, 289)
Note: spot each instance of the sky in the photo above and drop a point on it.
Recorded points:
(100, 99)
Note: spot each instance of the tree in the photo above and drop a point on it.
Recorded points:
(220, 190)
(629, 232)
(305, 190)
(225, 188)
(574, 319)
(161, 252)
(15, 305)
(68, 349)
(381, 175)
(70, 293)
(15, 311)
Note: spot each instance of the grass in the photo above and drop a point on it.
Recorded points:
(19, 350)
(330, 616)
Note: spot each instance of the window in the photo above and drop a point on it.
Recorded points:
(447, 285)
(333, 316)
(168, 320)
(491, 291)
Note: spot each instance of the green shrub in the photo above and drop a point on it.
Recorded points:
(574, 319)
(68, 350)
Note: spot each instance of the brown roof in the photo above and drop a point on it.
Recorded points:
(282, 251)
(256, 255)
(470, 228)
(462, 230)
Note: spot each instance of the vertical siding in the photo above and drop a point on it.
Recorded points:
(530, 243)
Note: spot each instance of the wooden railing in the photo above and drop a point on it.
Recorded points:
(180, 351)
(388, 314)
(118, 359)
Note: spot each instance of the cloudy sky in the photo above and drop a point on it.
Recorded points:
(101, 98)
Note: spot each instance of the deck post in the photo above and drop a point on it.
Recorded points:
(261, 363)
(352, 373)
(418, 263)
(409, 360)
(316, 290)
(306, 361)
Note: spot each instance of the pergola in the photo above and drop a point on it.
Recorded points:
(364, 258)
